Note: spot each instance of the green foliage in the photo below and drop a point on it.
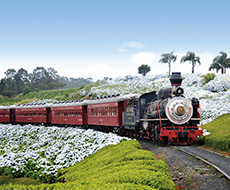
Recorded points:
(23, 182)
(220, 134)
(117, 164)
(26, 90)
(192, 58)
(208, 77)
(121, 166)
(22, 82)
(201, 140)
(66, 94)
(143, 69)
(220, 62)
(168, 58)
(31, 170)
(2, 169)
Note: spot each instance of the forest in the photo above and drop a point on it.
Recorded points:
(16, 82)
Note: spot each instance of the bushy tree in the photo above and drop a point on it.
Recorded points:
(10, 73)
(41, 79)
(53, 74)
(143, 69)
(22, 79)
(26, 90)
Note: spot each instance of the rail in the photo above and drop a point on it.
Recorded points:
(216, 160)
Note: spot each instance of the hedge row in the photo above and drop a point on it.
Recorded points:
(219, 138)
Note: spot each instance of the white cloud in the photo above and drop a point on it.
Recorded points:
(130, 44)
(97, 71)
(121, 50)
(143, 58)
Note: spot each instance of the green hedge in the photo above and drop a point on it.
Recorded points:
(122, 166)
(220, 134)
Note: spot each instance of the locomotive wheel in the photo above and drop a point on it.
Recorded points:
(121, 131)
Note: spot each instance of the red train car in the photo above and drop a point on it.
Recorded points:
(32, 114)
(67, 113)
(6, 114)
(108, 111)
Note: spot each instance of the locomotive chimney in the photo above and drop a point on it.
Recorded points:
(176, 79)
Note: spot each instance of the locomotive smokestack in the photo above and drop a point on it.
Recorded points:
(176, 79)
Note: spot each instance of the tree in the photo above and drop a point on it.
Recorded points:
(220, 62)
(22, 79)
(53, 74)
(168, 58)
(10, 73)
(143, 69)
(190, 56)
(2, 85)
(40, 75)
(26, 90)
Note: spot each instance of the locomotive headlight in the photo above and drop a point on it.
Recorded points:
(179, 110)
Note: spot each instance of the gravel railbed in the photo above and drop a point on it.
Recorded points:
(221, 162)
(187, 171)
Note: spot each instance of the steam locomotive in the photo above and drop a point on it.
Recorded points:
(165, 116)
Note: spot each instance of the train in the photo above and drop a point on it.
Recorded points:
(165, 116)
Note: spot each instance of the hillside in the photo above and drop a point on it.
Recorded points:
(213, 96)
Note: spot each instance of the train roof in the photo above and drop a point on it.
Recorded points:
(7, 107)
(113, 99)
(32, 105)
(104, 99)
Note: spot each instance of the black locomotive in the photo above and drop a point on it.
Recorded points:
(165, 116)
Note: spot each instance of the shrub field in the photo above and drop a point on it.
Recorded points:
(121, 166)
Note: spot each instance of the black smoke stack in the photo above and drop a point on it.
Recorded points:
(176, 79)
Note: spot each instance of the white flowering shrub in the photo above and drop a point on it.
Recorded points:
(40, 151)
(214, 96)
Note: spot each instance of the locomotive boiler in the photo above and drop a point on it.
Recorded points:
(166, 116)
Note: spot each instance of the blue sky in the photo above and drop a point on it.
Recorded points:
(110, 38)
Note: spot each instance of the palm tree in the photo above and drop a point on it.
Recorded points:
(220, 62)
(168, 58)
(190, 56)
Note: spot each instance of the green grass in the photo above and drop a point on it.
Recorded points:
(122, 166)
(18, 181)
(208, 77)
(60, 94)
(68, 94)
(219, 138)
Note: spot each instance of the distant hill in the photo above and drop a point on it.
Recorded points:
(75, 82)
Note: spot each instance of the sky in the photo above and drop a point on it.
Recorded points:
(111, 38)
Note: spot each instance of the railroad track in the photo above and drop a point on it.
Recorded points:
(187, 171)
(218, 161)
